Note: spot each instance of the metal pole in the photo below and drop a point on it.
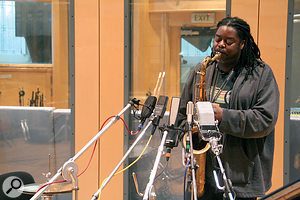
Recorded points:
(95, 196)
(155, 166)
(193, 166)
(59, 172)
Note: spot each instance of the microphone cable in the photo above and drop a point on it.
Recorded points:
(97, 141)
(184, 181)
(92, 155)
(50, 184)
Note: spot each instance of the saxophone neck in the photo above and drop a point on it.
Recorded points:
(209, 59)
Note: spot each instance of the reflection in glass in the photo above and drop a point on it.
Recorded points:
(12, 48)
(196, 44)
(33, 54)
(160, 42)
(35, 115)
(25, 34)
(34, 140)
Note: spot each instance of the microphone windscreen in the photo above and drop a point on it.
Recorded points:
(11, 183)
(175, 102)
(205, 113)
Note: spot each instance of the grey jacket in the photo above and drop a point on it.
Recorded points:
(248, 128)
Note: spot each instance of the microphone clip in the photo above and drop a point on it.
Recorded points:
(173, 135)
(134, 102)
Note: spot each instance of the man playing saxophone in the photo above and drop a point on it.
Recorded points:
(245, 100)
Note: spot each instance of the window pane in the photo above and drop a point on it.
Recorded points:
(25, 34)
(196, 44)
(168, 38)
(35, 114)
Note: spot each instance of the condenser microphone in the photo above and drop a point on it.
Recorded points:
(147, 110)
(205, 113)
(205, 120)
(189, 120)
(159, 111)
(189, 113)
(173, 131)
(175, 102)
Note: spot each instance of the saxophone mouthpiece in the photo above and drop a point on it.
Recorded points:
(217, 56)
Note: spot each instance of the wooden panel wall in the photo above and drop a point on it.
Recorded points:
(249, 11)
(186, 5)
(99, 91)
(60, 54)
(272, 43)
(111, 93)
(87, 92)
(15, 78)
(268, 21)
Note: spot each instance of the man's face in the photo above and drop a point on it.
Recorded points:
(228, 43)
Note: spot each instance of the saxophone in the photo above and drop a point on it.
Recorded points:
(200, 147)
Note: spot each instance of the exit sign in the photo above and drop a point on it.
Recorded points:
(205, 18)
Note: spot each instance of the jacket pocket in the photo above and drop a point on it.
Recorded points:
(238, 167)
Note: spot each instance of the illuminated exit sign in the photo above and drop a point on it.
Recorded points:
(205, 18)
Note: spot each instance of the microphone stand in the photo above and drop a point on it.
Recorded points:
(192, 164)
(158, 113)
(155, 166)
(95, 195)
(213, 137)
(70, 167)
(217, 149)
(189, 139)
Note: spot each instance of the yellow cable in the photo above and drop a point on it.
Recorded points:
(127, 166)
(137, 158)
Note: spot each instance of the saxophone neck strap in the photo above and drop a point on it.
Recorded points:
(215, 80)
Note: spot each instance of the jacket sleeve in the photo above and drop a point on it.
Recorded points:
(257, 117)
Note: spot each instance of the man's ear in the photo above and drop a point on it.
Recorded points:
(242, 44)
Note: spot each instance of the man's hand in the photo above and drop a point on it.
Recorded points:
(218, 111)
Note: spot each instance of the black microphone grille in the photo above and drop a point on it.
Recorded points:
(148, 106)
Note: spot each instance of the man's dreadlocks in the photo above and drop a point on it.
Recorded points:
(250, 53)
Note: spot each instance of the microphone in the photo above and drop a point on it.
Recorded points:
(205, 120)
(175, 102)
(147, 110)
(189, 114)
(159, 111)
(173, 133)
